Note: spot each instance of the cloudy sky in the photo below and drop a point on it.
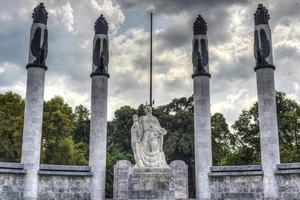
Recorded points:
(230, 34)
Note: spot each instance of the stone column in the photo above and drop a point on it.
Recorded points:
(33, 117)
(98, 134)
(202, 116)
(268, 127)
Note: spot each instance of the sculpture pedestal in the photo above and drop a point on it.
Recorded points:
(150, 183)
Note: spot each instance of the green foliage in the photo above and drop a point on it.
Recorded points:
(58, 146)
(246, 129)
(82, 124)
(11, 127)
(222, 139)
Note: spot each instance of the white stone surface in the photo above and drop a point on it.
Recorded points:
(32, 130)
(268, 129)
(147, 140)
(98, 136)
(203, 152)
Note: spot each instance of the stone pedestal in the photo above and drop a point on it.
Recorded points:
(268, 129)
(32, 131)
(98, 135)
(203, 150)
(150, 183)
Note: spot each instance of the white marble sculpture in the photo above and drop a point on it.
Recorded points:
(147, 140)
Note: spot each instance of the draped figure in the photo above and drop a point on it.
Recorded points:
(147, 140)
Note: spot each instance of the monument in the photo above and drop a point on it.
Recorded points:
(151, 177)
(98, 130)
(268, 125)
(202, 115)
(32, 131)
(147, 140)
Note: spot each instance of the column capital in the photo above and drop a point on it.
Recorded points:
(203, 73)
(30, 65)
(257, 67)
(97, 73)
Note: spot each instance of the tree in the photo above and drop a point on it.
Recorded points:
(222, 139)
(82, 124)
(58, 146)
(247, 131)
(11, 127)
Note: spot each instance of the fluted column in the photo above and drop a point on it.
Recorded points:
(98, 133)
(33, 117)
(202, 116)
(268, 126)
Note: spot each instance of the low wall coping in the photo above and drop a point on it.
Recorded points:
(64, 173)
(68, 168)
(240, 173)
(12, 171)
(237, 168)
(287, 171)
(288, 166)
(9, 165)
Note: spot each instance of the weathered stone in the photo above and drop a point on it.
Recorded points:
(203, 154)
(238, 168)
(98, 135)
(32, 131)
(64, 187)
(236, 187)
(147, 140)
(150, 183)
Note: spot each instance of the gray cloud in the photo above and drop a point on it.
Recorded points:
(70, 49)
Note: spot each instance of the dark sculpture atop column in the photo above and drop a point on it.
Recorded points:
(101, 26)
(200, 48)
(262, 39)
(38, 49)
(200, 26)
(261, 16)
(100, 48)
(40, 14)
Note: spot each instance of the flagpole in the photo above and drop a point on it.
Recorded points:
(151, 15)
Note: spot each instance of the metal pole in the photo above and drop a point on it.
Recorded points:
(151, 59)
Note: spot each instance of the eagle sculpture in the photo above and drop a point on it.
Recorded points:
(263, 51)
(37, 50)
(101, 59)
(200, 60)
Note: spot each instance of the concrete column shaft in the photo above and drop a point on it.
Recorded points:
(203, 151)
(270, 155)
(98, 136)
(32, 130)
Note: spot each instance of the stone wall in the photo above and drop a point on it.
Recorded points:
(11, 186)
(74, 182)
(242, 187)
(55, 182)
(64, 187)
(150, 183)
(246, 182)
(288, 181)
